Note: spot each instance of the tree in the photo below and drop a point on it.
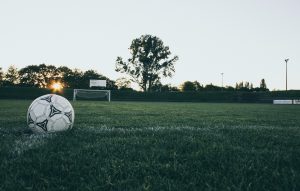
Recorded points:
(29, 76)
(149, 62)
(12, 76)
(174, 89)
(157, 87)
(47, 74)
(111, 84)
(247, 85)
(1, 77)
(240, 85)
(211, 87)
(229, 88)
(263, 85)
(1, 74)
(198, 86)
(251, 86)
(123, 83)
(78, 79)
(63, 73)
(188, 86)
(166, 88)
(39, 75)
(74, 79)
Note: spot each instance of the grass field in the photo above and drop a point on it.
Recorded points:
(154, 146)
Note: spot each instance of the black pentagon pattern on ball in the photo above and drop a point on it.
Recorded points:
(69, 115)
(54, 111)
(48, 98)
(30, 119)
(43, 124)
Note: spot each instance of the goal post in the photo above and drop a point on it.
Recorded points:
(91, 94)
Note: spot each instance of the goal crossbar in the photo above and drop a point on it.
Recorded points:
(88, 94)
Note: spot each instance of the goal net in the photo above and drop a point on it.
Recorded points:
(91, 94)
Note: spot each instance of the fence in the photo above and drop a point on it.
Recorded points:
(202, 96)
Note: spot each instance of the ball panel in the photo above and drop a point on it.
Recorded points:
(60, 125)
(56, 117)
(63, 102)
(38, 109)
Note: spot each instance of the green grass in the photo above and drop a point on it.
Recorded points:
(154, 146)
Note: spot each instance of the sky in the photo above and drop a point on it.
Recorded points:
(247, 40)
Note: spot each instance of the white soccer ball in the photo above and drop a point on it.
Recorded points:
(50, 113)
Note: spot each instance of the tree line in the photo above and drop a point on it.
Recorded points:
(241, 86)
(150, 61)
(42, 76)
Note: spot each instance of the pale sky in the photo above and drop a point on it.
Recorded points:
(247, 40)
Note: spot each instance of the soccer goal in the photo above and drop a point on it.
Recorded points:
(91, 94)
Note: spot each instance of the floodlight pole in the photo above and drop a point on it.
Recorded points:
(222, 79)
(286, 61)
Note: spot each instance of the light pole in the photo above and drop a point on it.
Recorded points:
(286, 61)
(222, 79)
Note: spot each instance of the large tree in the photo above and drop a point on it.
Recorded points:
(73, 79)
(149, 62)
(38, 75)
(63, 73)
(30, 76)
(48, 74)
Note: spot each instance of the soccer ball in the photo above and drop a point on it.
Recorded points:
(50, 113)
